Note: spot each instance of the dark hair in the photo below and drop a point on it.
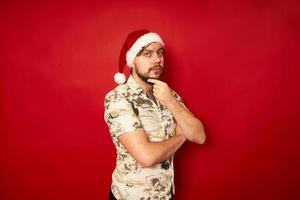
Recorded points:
(142, 49)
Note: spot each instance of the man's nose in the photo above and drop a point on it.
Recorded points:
(156, 57)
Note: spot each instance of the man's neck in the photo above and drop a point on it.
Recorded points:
(146, 87)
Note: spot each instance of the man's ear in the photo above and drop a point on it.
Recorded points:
(133, 65)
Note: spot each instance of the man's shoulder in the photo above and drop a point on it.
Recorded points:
(118, 91)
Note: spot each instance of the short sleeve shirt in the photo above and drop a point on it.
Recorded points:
(128, 108)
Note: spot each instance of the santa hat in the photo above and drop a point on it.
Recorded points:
(134, 42)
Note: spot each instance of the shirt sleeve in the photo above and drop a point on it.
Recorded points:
(180, 101)
(119, 115)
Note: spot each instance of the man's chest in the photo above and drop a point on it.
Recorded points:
(157, 120)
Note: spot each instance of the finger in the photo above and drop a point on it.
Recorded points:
(155, 86)
(158, 82)
(155, 90)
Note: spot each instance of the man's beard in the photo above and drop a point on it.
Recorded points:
(146, 77)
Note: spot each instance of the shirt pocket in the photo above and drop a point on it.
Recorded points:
(151, 120)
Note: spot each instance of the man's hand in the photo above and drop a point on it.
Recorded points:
(161, 91)
(178, 132)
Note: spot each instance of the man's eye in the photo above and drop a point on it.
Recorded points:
(147, 54)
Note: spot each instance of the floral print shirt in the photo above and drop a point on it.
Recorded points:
(128, 108)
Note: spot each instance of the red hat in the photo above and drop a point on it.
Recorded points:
(134, 42)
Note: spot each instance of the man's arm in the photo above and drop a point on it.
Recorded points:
(149, 153)
(192, 128)
(125, 126)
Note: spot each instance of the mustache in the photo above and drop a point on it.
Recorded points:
(158, 66)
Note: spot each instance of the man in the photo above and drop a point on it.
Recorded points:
(148, 122)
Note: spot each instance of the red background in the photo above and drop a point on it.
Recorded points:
(235, 63)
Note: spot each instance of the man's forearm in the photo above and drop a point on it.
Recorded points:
(163, 150)
(191, 126)
(156, 152)
(147, 152)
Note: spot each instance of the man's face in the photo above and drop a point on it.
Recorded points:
(150, 63)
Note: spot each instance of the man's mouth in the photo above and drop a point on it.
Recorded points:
(156, 68)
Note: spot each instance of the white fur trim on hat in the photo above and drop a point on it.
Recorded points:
(120, 78)
(139, 44)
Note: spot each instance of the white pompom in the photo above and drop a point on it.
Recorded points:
(120, 78)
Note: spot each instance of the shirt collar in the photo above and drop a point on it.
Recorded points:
(133, 85)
